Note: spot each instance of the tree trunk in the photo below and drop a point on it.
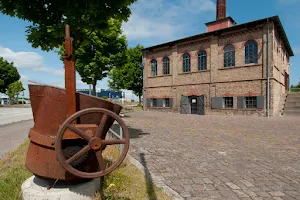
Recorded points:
(94, 89)
(140, 100)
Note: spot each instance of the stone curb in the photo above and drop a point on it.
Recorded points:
(156, 180)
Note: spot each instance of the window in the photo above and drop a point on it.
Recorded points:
(166, 65)
(228, 102)
(229, 56)
(186, 63)
(202, 58)
(153, 68)
(222, 102)
(167, 103)
(154, 102)
(251, 52)
(251, 102)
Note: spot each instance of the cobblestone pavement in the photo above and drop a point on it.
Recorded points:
(220, 157)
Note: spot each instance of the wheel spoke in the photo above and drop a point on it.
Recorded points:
(78, 154)
(100, 160)
(101, 126)
(79, 132)
(111, 142)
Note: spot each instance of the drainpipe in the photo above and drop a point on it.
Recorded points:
(144, 93)
(268, 73)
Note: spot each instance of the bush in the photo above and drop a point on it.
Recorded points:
(295, 89)
(104, 97)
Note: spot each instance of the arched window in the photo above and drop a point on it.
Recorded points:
(153, 68)
(229, 56)
(251, 52)
(202, 60)
(186, 63)
(166, 65)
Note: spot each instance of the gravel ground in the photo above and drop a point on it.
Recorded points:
(219, 157)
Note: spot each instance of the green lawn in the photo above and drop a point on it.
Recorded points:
(127, 182)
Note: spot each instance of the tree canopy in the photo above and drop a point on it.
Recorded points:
(100, 52)
(8, 74)
(13, 90)
(48, 18)
(130, 75)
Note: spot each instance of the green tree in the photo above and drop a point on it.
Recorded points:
(130, 75)
(8, 74)
(13, 90)
(48, 18)
(100, 52)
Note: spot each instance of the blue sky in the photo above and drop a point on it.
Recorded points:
(152, 22)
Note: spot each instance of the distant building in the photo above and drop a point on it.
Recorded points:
(223, 71)
(105, 93)
(4, 100)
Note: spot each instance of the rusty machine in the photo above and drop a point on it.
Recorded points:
(69, 134)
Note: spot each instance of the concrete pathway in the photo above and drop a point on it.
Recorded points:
(219, 157)
(12, 135)
(10, 115)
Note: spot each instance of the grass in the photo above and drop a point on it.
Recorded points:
(126, 182)
(129, 183)
(13, 173)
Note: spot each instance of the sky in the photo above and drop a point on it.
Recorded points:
(151, 22)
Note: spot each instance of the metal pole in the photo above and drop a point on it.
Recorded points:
(268, 73)
(70, 77)
(121, 137)
(90, 89)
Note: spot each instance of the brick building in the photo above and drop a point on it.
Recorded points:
(222, 71)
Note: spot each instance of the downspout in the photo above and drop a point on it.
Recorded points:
(268, 73)
(144, 97)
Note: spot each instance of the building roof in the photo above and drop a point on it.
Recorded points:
(220, 20)
(275, 19)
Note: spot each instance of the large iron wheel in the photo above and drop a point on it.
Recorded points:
(96, 144)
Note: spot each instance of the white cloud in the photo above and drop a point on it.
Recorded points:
(164, 20)
(28, 60)
(296, 50)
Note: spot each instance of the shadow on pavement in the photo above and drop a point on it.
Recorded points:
(148, 178)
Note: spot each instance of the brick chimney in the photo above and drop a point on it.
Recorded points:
(222, 21)
(221, 9)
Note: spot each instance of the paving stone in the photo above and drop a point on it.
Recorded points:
(261, 159)
(198, 187)
(247, 183)
(185, 194)
(263, 194)
(229, 195)
(277, 194)
(250, 193)
(292, 193)
(233, 186)
(188, 188)
(198, 180)
(209, 187)
(207, 180)
(240, 193)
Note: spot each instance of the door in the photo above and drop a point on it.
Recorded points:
(286, 81)
(194, 104)
(185, 107)
(201, 105)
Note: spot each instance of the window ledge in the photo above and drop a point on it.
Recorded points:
(239, 109)
(241, 66)
(194, 72)
(166, 75)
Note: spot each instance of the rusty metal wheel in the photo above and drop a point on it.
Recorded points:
(95, 144)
